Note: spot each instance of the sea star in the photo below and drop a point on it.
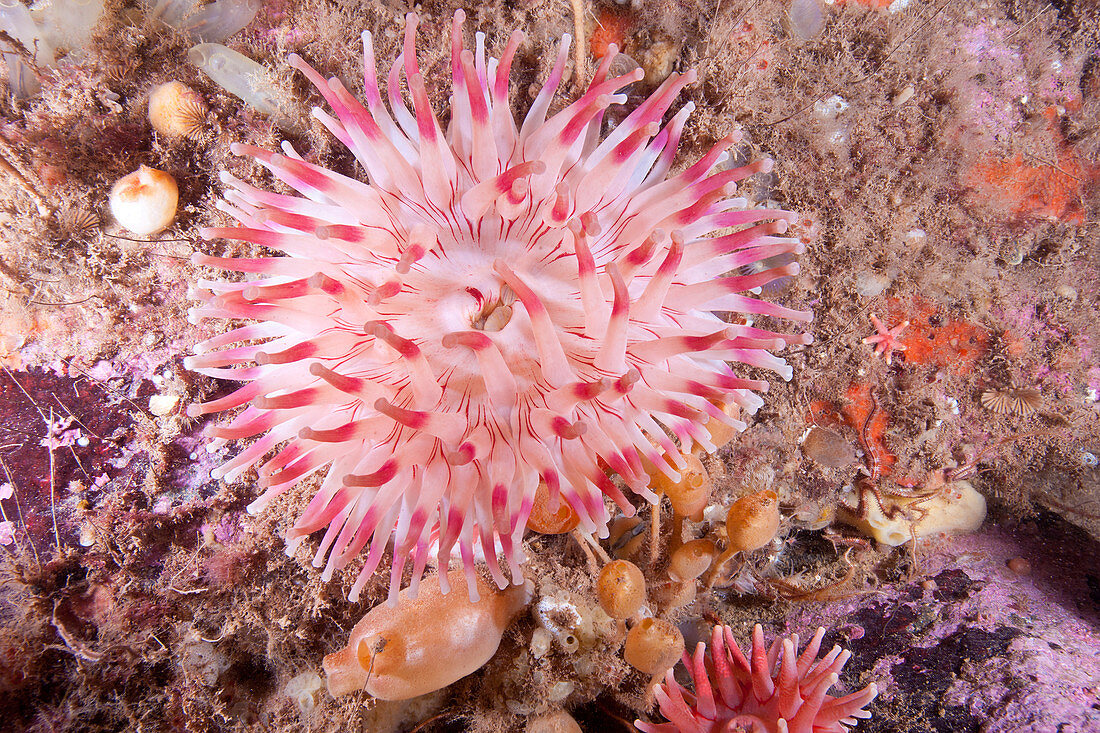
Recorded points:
(886, 340)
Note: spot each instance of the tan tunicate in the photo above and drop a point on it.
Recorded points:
(559, 691)
(620, 589)
(303, 690)
(691, 559)
(558, 721)
(689, 495)
(541, 639)
(653, 645)
(545, 520)
(425, 643)
(177, 110)
(752, 521)
(720, 433)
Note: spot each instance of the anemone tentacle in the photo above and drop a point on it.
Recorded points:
(494, 305)
(774, 690)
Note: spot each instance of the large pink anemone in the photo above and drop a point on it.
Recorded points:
(774, 691)
(493, 305)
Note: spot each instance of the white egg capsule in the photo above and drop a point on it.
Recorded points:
(144, 202)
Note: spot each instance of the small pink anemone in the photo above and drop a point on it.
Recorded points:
(777, 692)
(494, 305)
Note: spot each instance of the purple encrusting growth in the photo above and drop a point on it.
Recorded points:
(496, 306)
(975, 643)
(57, 434)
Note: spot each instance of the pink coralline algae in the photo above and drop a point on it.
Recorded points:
(498, 304)
(774, 691)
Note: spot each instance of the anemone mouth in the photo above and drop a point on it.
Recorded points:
(496, 311)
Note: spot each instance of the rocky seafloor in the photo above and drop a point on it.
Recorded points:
(944, 160)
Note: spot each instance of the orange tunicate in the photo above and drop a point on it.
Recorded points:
(752, 521)
(544, 521)
(620, 589)
(425, 643)
(720, 433)
(689, 495)
(653, 646)
(675, 594)
(1029, 188)
(691, 559)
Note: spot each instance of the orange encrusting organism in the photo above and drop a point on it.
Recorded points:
(612, 26)
(866, 416)
(1030, 187)
(858, 407)
(938, 341)
(1043, 191)
(855, 413)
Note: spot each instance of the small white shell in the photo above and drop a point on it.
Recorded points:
(144, 201)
